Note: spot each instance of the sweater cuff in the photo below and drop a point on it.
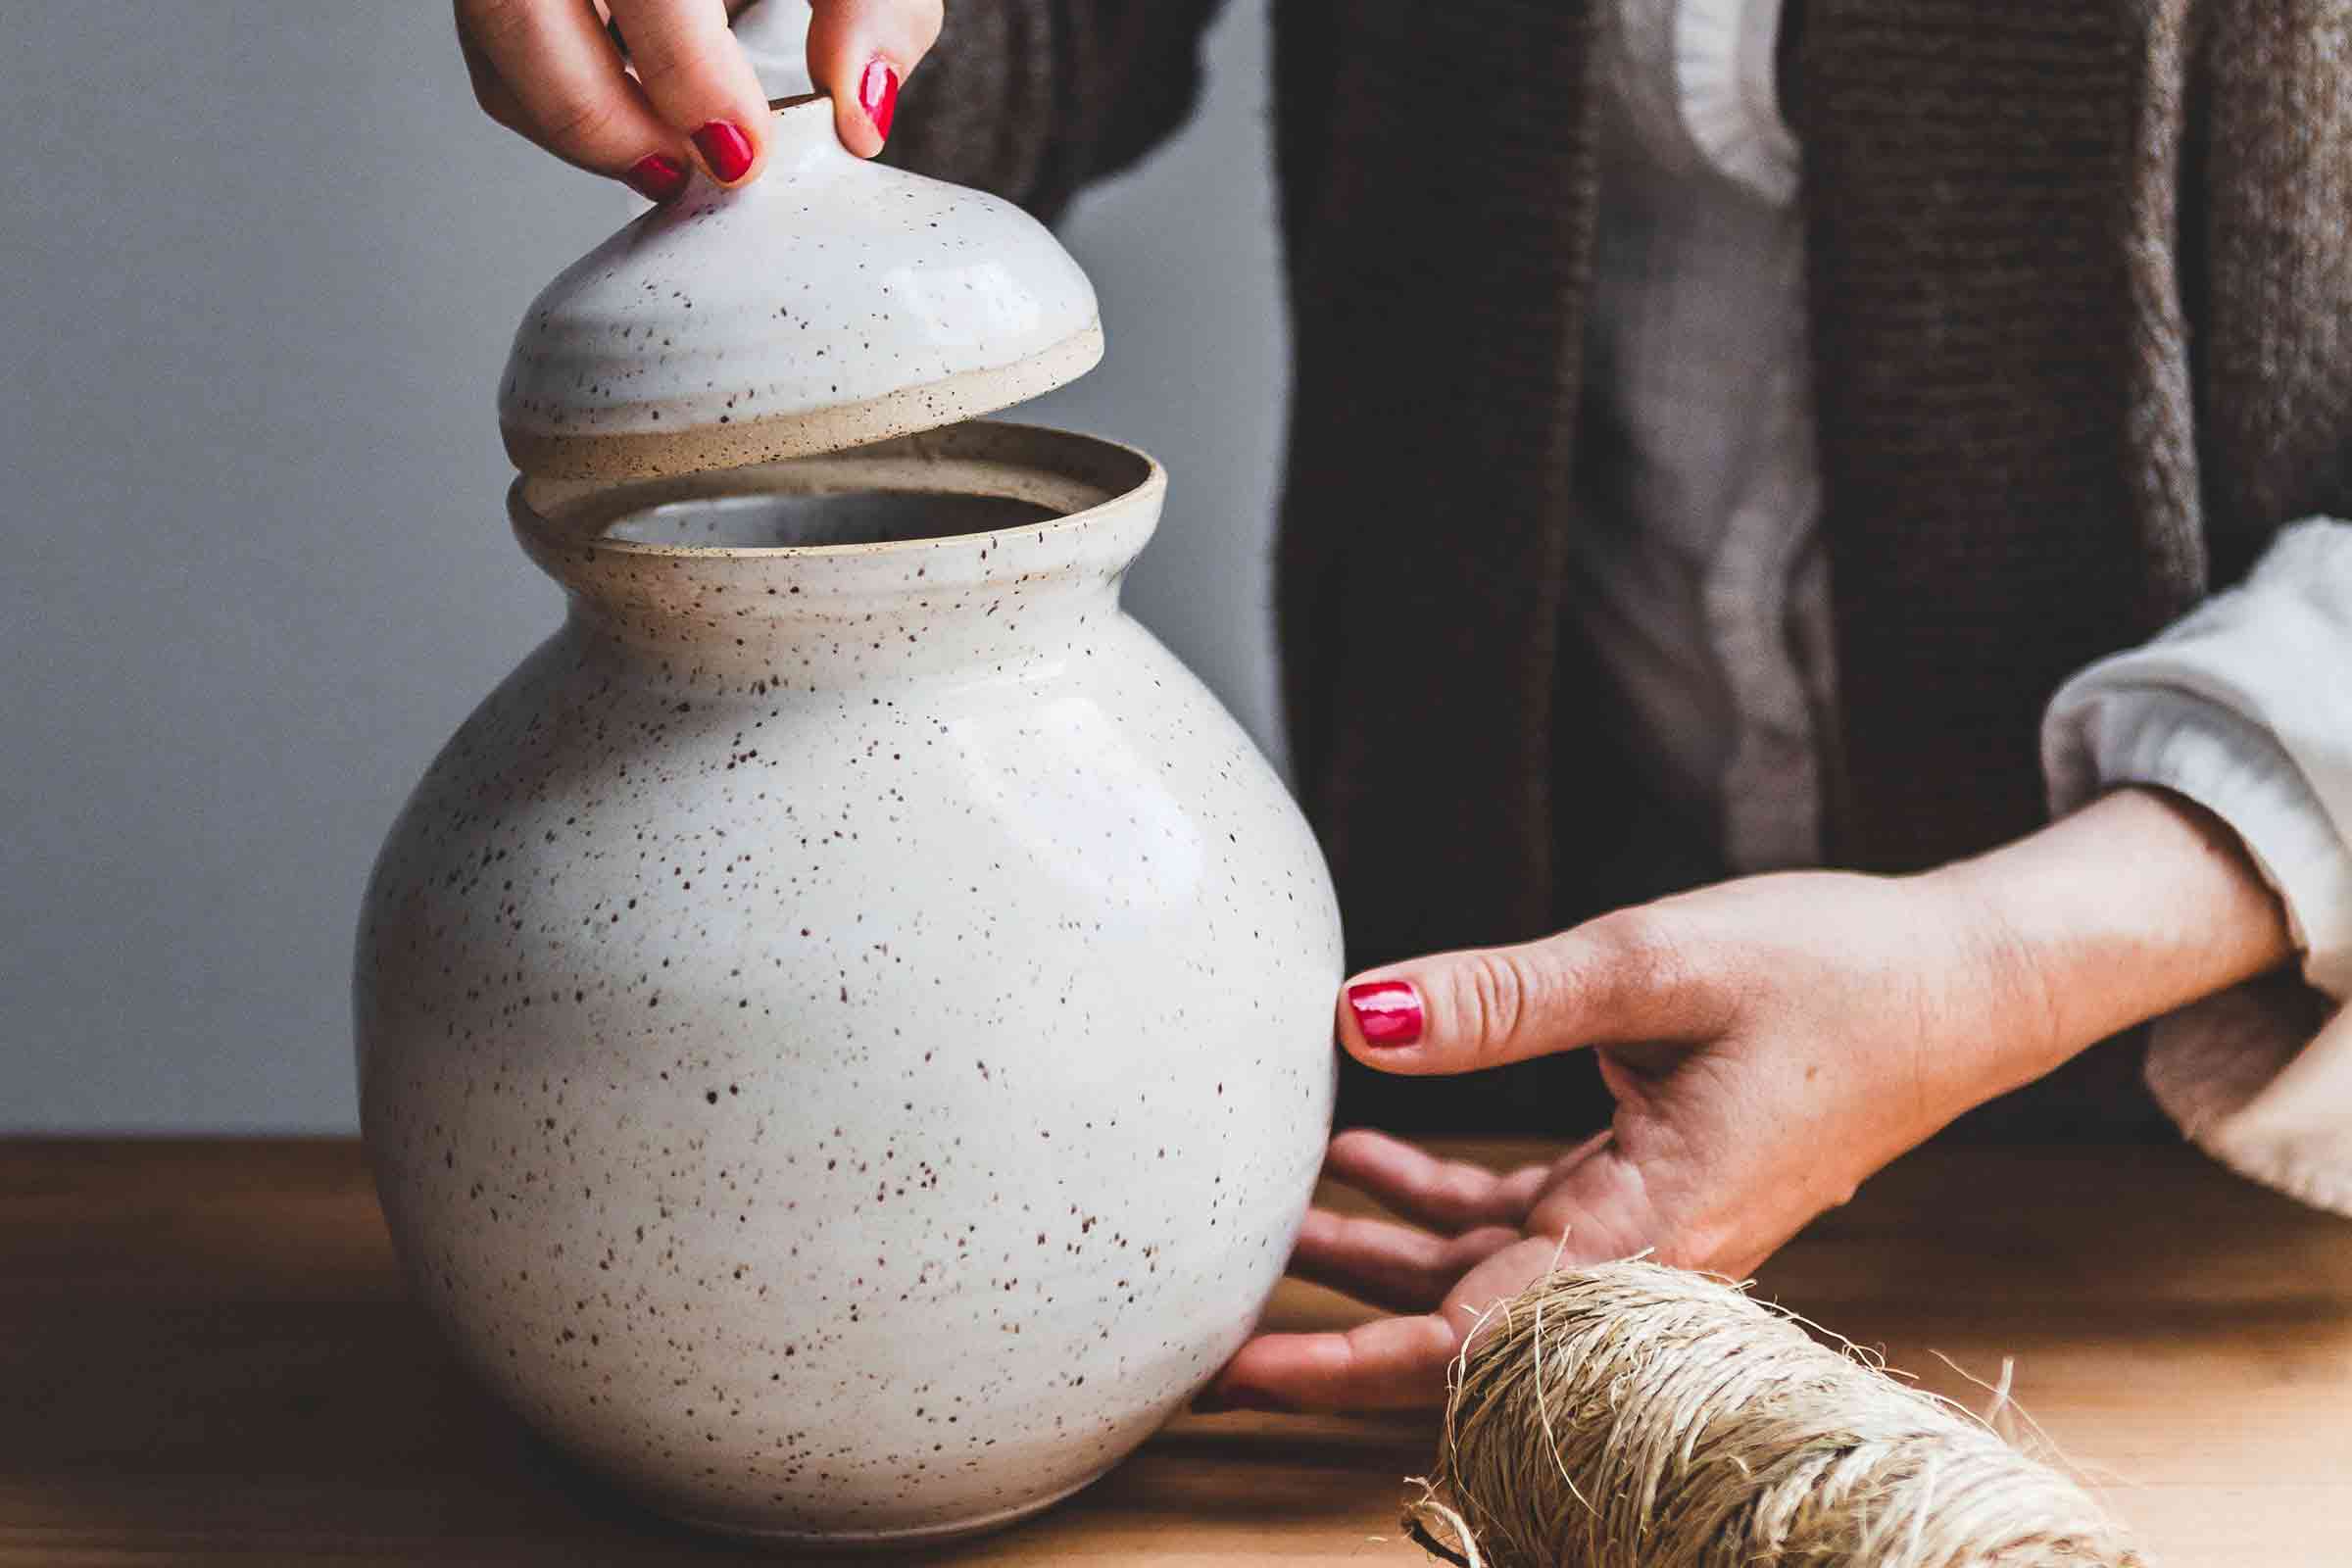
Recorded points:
(2258, 1078)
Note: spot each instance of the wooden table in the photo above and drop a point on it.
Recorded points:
(207, 1355)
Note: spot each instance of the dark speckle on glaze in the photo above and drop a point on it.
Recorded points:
(845, 1030)
(876, 302)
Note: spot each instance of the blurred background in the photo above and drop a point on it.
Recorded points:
(264, 258)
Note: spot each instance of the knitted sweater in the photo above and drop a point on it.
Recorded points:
(2080, 282)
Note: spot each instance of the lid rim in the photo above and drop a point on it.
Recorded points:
(805, 432)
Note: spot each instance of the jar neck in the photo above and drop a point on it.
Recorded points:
(981, 547)
(762, 620)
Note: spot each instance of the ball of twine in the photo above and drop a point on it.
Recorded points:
(1635, 1416)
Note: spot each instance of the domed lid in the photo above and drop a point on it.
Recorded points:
(831, 303)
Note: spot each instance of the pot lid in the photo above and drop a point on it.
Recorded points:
(831, 303)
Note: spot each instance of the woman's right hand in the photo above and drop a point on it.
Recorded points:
(554, 71)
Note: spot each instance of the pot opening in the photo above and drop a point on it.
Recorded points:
(975, 479)
(784, 521)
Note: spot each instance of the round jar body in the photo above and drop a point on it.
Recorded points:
(845, 1029)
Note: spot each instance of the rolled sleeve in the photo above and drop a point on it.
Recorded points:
(2244, 705)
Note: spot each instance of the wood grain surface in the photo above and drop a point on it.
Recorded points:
(207, 1355)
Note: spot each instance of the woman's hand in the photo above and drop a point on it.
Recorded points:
(1770, 1043)
(554, 71)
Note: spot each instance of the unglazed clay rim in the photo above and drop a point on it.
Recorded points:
(806, 433)
(583, 519)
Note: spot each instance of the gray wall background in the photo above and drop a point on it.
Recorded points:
(262, 260)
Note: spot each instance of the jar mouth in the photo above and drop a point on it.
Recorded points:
(782, 520)
(977, 481)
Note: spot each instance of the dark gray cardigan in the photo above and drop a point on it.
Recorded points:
(2080, 292)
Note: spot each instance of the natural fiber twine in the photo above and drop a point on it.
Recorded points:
(1634, 1416)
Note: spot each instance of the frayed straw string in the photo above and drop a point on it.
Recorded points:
(1635, 1416)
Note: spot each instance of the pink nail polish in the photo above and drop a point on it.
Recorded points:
(878, 95)
(1388, 1011)
(657, 178)
(727, 149)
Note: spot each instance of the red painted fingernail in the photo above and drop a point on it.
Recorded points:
(657, 178)
(878, 95)
(1388, 1011)
(727, 149)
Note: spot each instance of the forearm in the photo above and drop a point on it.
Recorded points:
(2134, 905)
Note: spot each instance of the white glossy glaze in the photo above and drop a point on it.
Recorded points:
(827, 284)
(846, 1033)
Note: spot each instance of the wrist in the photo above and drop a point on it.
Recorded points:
(1996, 1019)
(2136, 904)
(2013, 1015)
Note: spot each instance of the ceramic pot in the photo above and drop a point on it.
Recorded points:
(845, 1028)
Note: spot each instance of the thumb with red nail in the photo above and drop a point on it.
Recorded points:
(860, 52)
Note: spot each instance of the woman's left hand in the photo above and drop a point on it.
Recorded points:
(1770, 1043)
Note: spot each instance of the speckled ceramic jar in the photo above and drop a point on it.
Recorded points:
(845, 1029)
